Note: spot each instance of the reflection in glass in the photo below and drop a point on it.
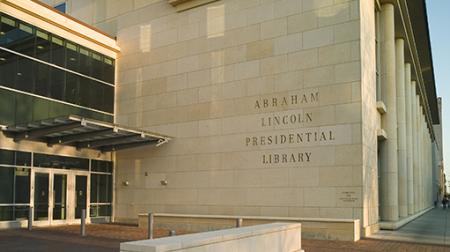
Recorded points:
(6, 185)
(22, 185)
(8, 64)
(80, 195)
(41, 182)
(60, 197)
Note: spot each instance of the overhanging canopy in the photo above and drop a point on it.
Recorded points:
(83, 133)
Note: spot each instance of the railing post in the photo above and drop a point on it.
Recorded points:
(30, 218)
(83, 222)
(150, 226)
(239, 222)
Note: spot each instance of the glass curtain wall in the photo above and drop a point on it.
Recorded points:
(101, 188)
(14, 185)
(15, 172)
(43, 65)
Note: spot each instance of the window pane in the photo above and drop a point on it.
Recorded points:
(8, 31)
(8, 64)
(72, 88)
(7, 107)
(42, 46)
(108, 99)
(7, 157)
(6, 184)
(42, 83)
(72, 56)
(94, 188)
(25, 76)
(22, 185)
(40, 109)
(23, 112)
(6, 213)
(57, 51)
(104, 188)
(24, 40)
(23, 158)
(85, 61)
(97, 66)
(108, 70)
(57, 83)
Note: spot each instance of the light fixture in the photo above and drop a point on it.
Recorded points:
(2, 59)
(126, 183)
(40, 47)
(164, 182)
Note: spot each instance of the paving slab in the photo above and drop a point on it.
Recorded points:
(431, 228)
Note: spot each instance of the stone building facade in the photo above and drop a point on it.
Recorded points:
(321, 109)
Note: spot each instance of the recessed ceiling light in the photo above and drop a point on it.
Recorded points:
(20, 74)
(2, 59)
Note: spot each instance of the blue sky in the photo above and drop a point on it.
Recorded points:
(439, 25)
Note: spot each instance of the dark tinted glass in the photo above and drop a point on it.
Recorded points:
(25, 74)
(22, 158)
(72, 57)
(40, 109)
(100, 211)
(8, 31)
(7, 157)
(57, 83)
(58, 51)
(32, 41)
(8, 64)
(24, 40)
(6, 185)
(108, 99)
(101, 188)
(101, 166)
(85, 61)
(23, 112)
(8, 213)
(19, 158)
(94, 188)
(42, 83)
(62, 162)
(72, 88)
(43, 45)
(22, 187)
(7, 105)
(108, 70)
(97, 66)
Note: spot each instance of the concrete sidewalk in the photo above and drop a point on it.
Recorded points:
(433, 228)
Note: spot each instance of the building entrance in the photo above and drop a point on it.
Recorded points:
(59, 196)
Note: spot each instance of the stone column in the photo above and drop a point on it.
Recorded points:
(389, 171)
(421, 151)
(409, 138)
(401, 128)
(416, 148)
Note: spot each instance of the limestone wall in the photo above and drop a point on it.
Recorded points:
(263, 99)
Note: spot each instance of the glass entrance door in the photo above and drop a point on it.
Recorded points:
(59, 196)
(41, 196)
(80, 195)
